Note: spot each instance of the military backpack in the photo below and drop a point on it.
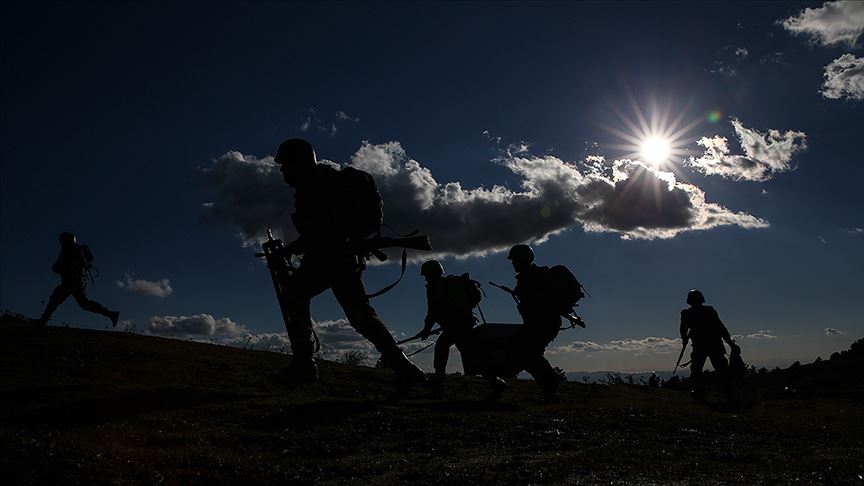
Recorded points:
(564, 290)
(363, 201)
(462, 291)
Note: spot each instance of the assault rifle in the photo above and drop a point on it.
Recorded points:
(279, 264)
(278, 257)
(681, 355)
(433, 332)
(571, 316)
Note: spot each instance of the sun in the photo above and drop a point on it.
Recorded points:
(656, 150)
(656, 137)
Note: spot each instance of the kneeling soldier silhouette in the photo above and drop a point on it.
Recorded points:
(333, 209)
(450, 303)
(73, 265)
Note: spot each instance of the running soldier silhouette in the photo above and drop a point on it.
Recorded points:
(701, 325)
(542, 320)
(72, 265)
(333, 209)
(450, 303)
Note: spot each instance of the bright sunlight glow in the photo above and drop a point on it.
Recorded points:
(655, 150)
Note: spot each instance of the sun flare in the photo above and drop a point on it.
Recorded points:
(656, 150)
(657, 136)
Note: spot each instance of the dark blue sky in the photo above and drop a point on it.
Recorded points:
(109, 113)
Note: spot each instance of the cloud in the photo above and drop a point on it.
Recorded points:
(765, 334)
(830, 331)
(640, 347)
(624, 197)
(199, 325)
(766, 154)
(742, 52)
(854, 231)
(844, 78)
(157, 288)
(840, 22)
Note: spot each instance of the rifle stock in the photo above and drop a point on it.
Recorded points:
(378, 242)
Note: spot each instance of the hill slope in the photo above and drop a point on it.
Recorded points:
(80, 406)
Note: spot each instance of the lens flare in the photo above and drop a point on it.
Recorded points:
(715, 116)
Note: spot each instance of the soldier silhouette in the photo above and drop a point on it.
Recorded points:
(701, 325)
(72, 265)
(333, 208)
(450, 303)
(542, 321)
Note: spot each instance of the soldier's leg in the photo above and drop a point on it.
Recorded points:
(721, 368)
(58, 296)
(88, 304)
(350, 292)
(697, 385)
(442, 352)
(307, 282)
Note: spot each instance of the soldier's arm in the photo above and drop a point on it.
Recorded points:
(58, 265)
(724, 333)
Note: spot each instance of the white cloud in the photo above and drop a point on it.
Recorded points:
(765, 154)
(764, 334)
(840, 22)
(199, 325)
(156, 288)
(624, 196)
(640, 347)
(336, 337)
(742, 52)
(854, 231)
(830, 331)
(844, 78)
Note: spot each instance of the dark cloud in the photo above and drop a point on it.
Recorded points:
(625, 197)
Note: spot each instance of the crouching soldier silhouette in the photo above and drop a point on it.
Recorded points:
(701, 325)
(535, 295)
(333, 208)
(73, 265)
(450, 303)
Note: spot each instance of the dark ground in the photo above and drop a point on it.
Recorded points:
(82, 407)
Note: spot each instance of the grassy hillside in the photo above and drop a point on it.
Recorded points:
(79, 406)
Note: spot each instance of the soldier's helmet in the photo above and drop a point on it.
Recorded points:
(67, 239)
(431, 268)
(521, 253)
(695, 297)
(295, 151)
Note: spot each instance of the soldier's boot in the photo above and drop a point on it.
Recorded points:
(407, 375)
(498, 388)
(300, 371)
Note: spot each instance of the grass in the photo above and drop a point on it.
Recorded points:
(84, 407)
